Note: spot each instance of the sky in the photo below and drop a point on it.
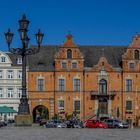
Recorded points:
(91, 22)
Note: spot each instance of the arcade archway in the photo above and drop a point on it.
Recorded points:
(40, 112)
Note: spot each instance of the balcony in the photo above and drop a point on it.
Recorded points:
(128, 111)
(98, 95)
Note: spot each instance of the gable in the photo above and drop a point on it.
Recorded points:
(5, 59)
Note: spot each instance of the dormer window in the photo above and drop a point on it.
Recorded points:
(69, 53)
(19, 60)
(136, 52)
(64, 65)
(3, 59)
(131, 66)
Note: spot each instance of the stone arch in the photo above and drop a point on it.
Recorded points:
(136, 54)
(103, 86)
(40, 112)
(69, 53)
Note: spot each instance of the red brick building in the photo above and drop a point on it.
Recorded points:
(86, 80)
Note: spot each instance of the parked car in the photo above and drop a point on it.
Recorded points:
(114, 123)
(61, 125)
(70, 124)
(78, 124)
(50, 124)
(42, 122)
(95, 124)
(3, 123)
(104, 119)
(11, 121)
(123, 124)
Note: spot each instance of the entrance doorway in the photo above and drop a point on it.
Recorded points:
(40, 112)
(103, 106)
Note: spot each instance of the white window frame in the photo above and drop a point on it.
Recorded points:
(126, 105)
(19, 60)
(75, 87)
(1, 74)
(10, 74)
(73, 63)
(130, 65)
(19, 93)
(1, 93)
(59, 104)
(62, 87)
(10, 93)
(131, 85)
(40, 88)
(19, 74)
(74, 105)
(3, 59)
(62, 65)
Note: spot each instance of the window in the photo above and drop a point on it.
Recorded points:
(40, 84)
(128, 85)
(131, 65)
(103, 87)
(1, 74)
(61, 86)
(76, 105)
(136, 54)
(10, 93)
(74, 65)
(128, 105)
(76, 84)
(69, 53)
(3, 59)
(64, 65)
(19, 60)
(61, 104)
(19, 93)
(10, 74)
(1, 93)
(19, 74)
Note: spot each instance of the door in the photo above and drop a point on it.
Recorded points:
(103, 106)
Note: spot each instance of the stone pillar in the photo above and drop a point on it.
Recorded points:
(110, 107)
(96, 105)
(51, 108)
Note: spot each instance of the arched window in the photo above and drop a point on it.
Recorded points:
(136, 54)
(102, 87)
(69, 53)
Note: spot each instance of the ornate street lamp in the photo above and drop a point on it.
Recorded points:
(24, 51)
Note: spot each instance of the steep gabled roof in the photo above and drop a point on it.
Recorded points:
(113, 54)
(44, 60)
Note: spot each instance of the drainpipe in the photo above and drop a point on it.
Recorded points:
(122, 92)
(83, 95)
(54, 88)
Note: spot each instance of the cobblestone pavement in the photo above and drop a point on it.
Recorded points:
(41, 133)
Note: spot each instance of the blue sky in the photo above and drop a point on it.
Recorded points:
(92, 22)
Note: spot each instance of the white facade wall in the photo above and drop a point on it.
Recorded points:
(13, 84)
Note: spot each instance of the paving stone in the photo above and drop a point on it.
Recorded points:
(41, 133)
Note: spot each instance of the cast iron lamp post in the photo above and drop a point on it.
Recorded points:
(23, 52)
